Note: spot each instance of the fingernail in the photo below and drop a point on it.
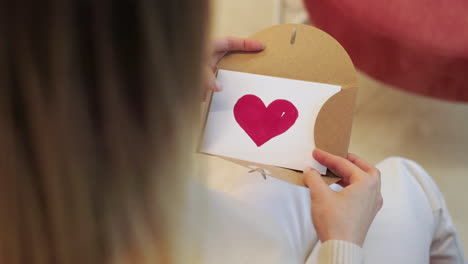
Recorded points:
(307, 169)
(318, 150)
(257, 45)
(219, 86)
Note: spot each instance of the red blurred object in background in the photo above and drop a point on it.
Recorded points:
(419, 46)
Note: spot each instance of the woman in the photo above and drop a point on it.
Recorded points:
(98, 108)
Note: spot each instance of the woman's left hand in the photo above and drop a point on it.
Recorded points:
(221, 47)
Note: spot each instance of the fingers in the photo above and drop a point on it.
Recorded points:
(313, 180)
(227, 44)
(237, 44)
(362, 164)
(339, 165)
(221, 47)
(370, 170)
(365, 166)
(211, 82)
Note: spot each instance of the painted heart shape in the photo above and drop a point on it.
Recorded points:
(263, 123)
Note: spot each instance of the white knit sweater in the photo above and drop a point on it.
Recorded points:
(237, 233)
(340, 252)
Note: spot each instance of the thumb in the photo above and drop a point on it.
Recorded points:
(313, 180)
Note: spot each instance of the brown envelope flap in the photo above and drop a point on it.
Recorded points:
(315, 56)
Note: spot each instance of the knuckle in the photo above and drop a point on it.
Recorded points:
(211, 86)
(227, 42)
(229, 45)
(308, 173)
(375, 172)
(372, 182)
(380, 202)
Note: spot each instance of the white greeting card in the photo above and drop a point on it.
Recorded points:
(265, 119)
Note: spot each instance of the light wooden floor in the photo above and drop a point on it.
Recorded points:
(388, 122)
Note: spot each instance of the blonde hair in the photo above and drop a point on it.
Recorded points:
(97, 100)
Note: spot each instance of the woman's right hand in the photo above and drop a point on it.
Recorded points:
(348, 214)
(222, 46)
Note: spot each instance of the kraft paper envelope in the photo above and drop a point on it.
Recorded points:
(305, 53)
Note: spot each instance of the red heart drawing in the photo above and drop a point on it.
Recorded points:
(263, 123)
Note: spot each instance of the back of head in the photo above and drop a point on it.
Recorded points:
(96, 106)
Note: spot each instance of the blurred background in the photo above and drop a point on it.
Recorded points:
(429, 126)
